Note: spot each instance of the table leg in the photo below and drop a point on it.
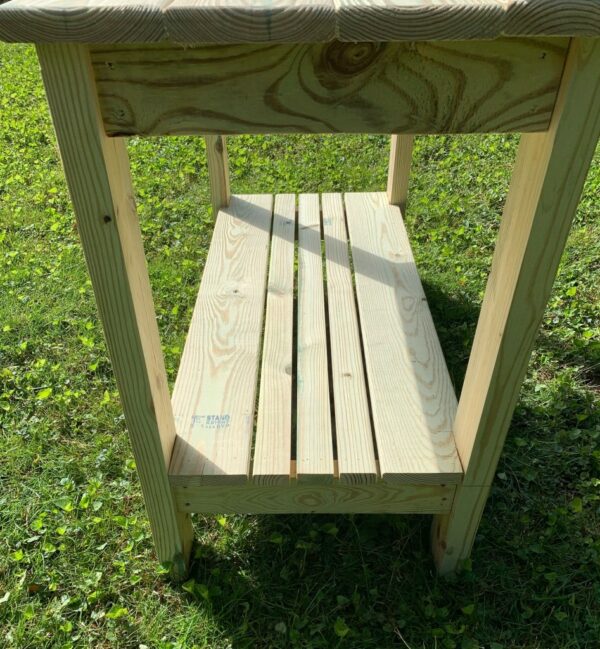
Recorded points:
(548, 178)
(401, 147)
(98, 175)
(218, 172)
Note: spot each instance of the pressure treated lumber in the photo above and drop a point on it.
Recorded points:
(273, 448)
(453, 533)
(412, 398)
(83, 21)
(97, 171)
(401, 147)
(250, 21)
(547, 182)
(338, 498)
(194, 452)
(314, 448)
(354, 437)
(239, 21)
(443, 20)
(325, 350)
(367, 20)
(457, 87)
(218, 172)
(552, 17)
(215, 391)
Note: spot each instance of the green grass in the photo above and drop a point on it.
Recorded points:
(76, 560)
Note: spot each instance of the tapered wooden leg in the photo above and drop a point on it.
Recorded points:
(399, 169)
(547, 181)
(218, 171)
(97, 171)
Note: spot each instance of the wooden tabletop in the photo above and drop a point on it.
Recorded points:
(246, 21)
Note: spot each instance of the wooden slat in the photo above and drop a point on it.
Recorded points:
(337, 498)
(273, 447)
(83, 21)
(552, 18)
(241, 21)
(435, 20)
(97, 171)
(457, 87)
(355, 453)
(369, 20)
(214, 395)
(251, 21)
(412, 398)
(314, 454)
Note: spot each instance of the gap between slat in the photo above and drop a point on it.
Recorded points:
(332, 410)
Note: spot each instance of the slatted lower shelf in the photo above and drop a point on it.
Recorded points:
(354, 399)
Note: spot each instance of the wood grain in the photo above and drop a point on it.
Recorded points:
(546, 185)
(443, 20)
(547, 181)
(457, 87)
(84, 21)
(354, 437)
(337, 498)
(273, 447)
(419, 20)
(401, 148)
(97, 171)
(412, 398)
(453, 533)
(251, 21)
(242, 21)
(214, 395)
(218, 172)
(314, 448)
(552, 18)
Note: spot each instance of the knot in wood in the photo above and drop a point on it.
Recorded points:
(340, 61)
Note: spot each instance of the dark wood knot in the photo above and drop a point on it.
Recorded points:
(345, 60)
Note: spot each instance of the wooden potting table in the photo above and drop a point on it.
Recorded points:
(356, 411)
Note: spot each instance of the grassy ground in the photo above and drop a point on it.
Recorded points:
(76, 560)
